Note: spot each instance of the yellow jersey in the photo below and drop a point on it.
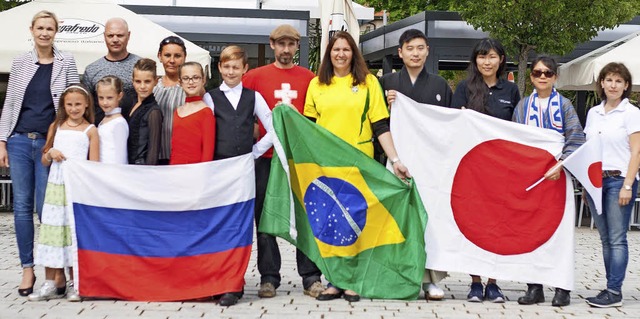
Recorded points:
(342, 109)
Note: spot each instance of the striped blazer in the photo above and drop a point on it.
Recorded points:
(23, 69)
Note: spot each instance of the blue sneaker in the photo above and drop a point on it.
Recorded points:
(605, 299)
(475, 295)
(493, 293)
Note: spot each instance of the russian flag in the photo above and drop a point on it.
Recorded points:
(161, 233)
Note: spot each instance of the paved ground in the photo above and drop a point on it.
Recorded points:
(291, 303)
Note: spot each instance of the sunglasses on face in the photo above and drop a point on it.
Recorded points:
(539, 73)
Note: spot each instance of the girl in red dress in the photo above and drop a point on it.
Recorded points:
(193, 133)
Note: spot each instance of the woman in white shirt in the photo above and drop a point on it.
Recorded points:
(617, 123)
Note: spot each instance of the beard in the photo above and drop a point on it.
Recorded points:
(285, 58)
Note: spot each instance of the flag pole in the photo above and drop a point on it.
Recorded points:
(558, 164)
(535, 184)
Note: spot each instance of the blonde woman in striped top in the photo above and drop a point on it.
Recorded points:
(36, 82)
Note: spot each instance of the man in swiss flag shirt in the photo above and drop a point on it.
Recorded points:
(279, 81)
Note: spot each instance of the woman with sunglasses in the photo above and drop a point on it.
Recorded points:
(538, 109)
(485, 91)
(616, 122)
(168, 92)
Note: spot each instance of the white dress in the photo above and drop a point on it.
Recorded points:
(54, 241)
(113, 141)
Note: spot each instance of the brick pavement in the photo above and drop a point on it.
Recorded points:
(291, 303)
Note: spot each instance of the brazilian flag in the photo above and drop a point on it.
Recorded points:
(361, 225)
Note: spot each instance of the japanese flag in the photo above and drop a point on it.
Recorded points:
(585, 164)
(472, 171)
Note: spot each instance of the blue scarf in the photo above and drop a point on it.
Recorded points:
(551, 118)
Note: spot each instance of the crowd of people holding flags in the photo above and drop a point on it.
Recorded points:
(123, 113)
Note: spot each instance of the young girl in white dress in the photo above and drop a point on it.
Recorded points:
(70, 136)
(114, 129)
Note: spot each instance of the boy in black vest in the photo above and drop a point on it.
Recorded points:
(235, 109)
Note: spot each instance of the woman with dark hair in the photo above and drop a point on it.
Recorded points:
(168, 92)
(486, 92)
(36, 81)
(337, 100)
(538, 110)
(616, 122)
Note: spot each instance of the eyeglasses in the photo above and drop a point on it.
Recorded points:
(539, 73)
(195, 78)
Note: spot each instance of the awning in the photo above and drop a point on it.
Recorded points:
(582, 73)
(81, 32)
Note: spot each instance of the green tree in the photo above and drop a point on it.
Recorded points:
(400, 9)
(8, 4)
(549, 26)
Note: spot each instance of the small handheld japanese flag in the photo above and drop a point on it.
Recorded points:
(585, 164)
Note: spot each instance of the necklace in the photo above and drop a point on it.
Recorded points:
(69, 125)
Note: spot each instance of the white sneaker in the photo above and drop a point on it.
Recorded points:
(72, 293)
(434, 292)
(47, 291)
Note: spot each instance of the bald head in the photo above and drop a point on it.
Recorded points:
(120, 22)
(116, 37)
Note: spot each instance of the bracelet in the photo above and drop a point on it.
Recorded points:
(394, 160)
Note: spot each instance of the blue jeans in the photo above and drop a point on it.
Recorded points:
(29, 179)
(613, 225)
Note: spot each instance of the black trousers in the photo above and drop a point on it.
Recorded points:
(269, 259)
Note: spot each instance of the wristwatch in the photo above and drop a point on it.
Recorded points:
(627, 187)
(394, 160)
